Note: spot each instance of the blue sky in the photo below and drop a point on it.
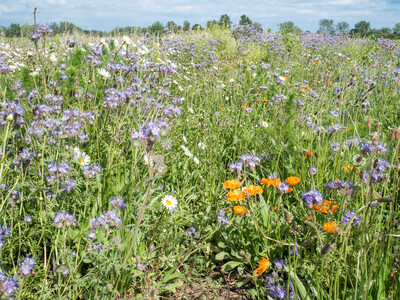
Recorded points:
(106, 14)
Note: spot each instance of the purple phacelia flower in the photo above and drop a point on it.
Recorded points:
(312, 198)
(26, 266)
(356, 221)
(118, 203)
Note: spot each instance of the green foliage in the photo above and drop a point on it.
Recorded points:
(294, 101)
(326, 26)
(244, 20)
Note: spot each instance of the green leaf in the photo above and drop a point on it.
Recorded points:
(172, 287)
(169, 277)
(221, 245)
(221, 256)
(243, 282)
(230, 266)
(298, 285)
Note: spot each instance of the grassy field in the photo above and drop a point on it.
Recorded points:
(217, 164)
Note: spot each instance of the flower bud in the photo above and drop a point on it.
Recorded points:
(10, 117)
(392, 134)
(369, 122)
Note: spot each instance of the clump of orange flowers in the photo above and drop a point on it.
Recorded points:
(304, 89)
(232, 184)
(270, 181)
(253, 190)
(330, 227)
(235, 195)
(325, 207)
(292, 180)
(240, 210)
(263, 265)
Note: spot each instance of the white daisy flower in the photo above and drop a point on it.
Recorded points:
(126, 39)
(265, 124)
(282, 78)
(169, 202)
(196, 160)
(82, 158)
(202, 145)
(148, 159)
(184, 148)
(104, 73)
(53, 57)
(74, 151)
(191, 110)
(187, 152)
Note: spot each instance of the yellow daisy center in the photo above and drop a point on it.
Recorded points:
(80, 159)
(169, 202)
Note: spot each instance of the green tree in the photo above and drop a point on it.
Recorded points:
(396, 28)
(362, 28)
(342, 27)
(197, 27)
(172, 26)
(288, 27)
(157, 27)
(13, 31)
(326, 26)
(257, 26)
(186, 26)
(211, 24)
(386, 30)
(26, 29)
(225, 20)
(244, 20)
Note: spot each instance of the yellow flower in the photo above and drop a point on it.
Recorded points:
(293, 180)
(263, 265)
(254, 190)
(240, 210)
(232, 184)
(270, 181)
(330, 227)
(235, 195)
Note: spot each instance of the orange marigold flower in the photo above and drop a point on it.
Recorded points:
(320, 209)
(326, 207)
(254, 190)
(293, 180)
(330, 227)
(276, 207)
(264, 100)
(347, 169)
(240, 210)
(235, 195)
(335, 208)
(270, 181)
(232, 184)
(263, 265)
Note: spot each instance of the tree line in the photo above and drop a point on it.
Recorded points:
(326, 26)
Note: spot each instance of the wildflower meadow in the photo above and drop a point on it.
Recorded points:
(226, 163)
